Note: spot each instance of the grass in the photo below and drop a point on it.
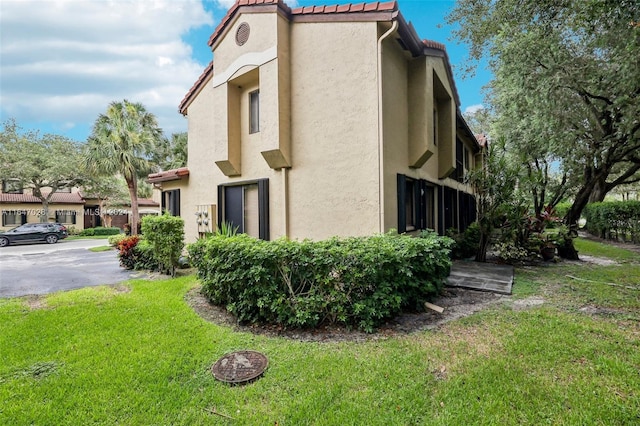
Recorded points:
(100, 248)
(87, 237)
(137, 354)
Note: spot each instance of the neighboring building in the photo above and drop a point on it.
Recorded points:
(322, 121)
(67, 206)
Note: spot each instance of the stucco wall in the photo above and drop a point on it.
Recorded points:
(334, 179)
(34, 211)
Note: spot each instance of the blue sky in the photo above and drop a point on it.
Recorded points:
(63, 61)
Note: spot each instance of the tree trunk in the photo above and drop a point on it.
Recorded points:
(599, 190)
(133, 193)
(44, 217)
(483, 246)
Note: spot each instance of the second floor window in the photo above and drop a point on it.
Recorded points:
(12, 186)
(254, 111)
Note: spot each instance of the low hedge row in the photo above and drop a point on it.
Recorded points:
(614, 220)
(90, 232)
(359, 282)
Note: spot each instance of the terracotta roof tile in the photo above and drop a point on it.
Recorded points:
(434, 44)
(56, 198)
(208, 72)
(174, 174)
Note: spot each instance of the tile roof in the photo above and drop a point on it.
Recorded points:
(56, 198)
(195, 89)
(390, 6)
(380, 11)
(146, 202)
(175, 174)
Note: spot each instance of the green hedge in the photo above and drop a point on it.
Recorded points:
(165, 236)
(614, 220)
(358, 282)
(90, 232)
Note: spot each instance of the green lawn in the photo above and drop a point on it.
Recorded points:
(137, 354)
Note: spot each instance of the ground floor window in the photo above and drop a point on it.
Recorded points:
(14, 217)
(171, 202)
(457, 210)
(66, 216)
(245, 206)
(415, 204)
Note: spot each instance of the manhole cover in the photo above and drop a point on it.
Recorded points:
(240, 367)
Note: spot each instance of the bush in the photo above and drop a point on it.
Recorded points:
(466, 243)
(136, 253)
(115, 239)
(126, 251)
(614, 220)
(90, 232)
(165, 235)
(357, 282)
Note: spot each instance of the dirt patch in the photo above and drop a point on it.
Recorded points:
(457, 303)
(36, 302)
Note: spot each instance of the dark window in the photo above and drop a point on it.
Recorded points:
(12, 186)
(245, 206)
(171, 202)
(415, 204)
(14, 217)
(66, 216)
(254, 111)
(435, 127)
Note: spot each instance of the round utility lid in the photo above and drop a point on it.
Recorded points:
(240, 367)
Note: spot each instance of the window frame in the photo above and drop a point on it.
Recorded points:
(254, 111)
(22, 214)
(170, 202)
(63, 215)
(263, 204)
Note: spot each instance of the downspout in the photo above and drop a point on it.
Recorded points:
(285, 201)
(391, 30)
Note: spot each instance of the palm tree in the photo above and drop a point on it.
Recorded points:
(121, 142)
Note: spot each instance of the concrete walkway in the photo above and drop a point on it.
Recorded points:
(481, 276)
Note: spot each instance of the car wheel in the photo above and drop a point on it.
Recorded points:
(4, 241)
(51, 239)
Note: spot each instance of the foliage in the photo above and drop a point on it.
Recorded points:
(63, 360)
(171, 153)
(495, 184)
(99, 230)
(72, 230)
(566, 89)
(226, 229)
(357, 282)
(466, 243)
(614, 220)
(121, 141)
(165, 234)
(510, 252)
(42, 163)
(145, 257)
(126, 252)
(115, 239)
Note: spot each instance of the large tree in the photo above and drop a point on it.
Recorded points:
(122, 141)
(42, 163)
(171, 153)
(566, 87)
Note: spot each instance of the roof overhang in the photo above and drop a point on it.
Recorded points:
(169, 175)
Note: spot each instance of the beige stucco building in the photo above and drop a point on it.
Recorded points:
(322, 121)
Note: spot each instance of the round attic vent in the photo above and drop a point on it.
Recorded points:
(242, 34)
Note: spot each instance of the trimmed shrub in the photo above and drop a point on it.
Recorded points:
(115, 239)
(358, 282)
(466, 243)
(126, 251)
(165, 236)
(99, 230)
(618, 220)
(136, 253)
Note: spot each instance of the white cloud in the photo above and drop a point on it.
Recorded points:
(226, 4)
(472, 109)
(64, 61)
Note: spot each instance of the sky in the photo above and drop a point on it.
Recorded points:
(63, 61)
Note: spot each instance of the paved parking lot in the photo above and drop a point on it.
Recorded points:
(46, 268)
